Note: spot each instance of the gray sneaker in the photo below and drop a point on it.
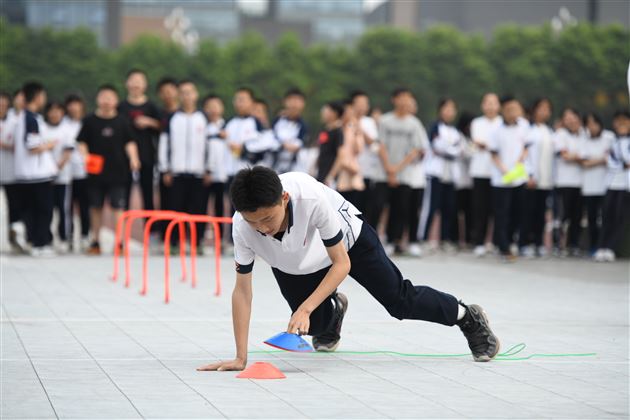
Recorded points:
(329, 341)
(482, 342)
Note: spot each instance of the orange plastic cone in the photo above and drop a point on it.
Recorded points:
(261, 370)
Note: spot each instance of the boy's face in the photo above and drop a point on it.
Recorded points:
(18, 101)
(188, 94)
(136, 84)
(448, 112)
(168, 93)
(361, 105)
(327, 115)
(621, 125)
(268, 220)
(213, 107)
(4, 106)
(593, 127)
(403, 102)
(40, 100)
(75, 110)
(294, 105)
(490, 105)
(571, 121)
(543, 112)
(107, 100)
(55, 114)
(243, 103)
(260, 112)
(511, 111)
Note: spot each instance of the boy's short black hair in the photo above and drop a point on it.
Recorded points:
(186, 82)
(294, 92)
(31, 90)
(337, 107)
(572, 110)
(134, 71)
(107, 86)
(356, 93)
(247, 90)
(53, 104)
(595, 116)
(72, 97)
(399, 91)
(621, 113)
(168, 80)
(210, 97)
(507, 98)
(255, 188)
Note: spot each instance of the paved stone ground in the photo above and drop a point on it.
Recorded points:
(76, 345)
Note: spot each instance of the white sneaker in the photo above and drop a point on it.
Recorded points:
(415, 250)
(513, 249)
(479, 251)
(610, 255)
(528, 252)
(43, 252)
(389, 249)
(600, 255)
(63, 247)
(542, 251)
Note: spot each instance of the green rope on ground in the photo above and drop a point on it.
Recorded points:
(509, 354)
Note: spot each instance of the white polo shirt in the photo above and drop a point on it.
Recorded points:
(568, 174)
(480, 130)
(77, 161)
(594, 177)
(7, 133)
(62, 134)
(618, 176)
(29, 167)
(318, 217)
(509, 142)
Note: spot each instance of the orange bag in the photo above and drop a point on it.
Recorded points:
(94, 164)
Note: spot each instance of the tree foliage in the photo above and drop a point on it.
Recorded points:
(583, 66)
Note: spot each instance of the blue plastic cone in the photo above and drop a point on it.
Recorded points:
(289, 342)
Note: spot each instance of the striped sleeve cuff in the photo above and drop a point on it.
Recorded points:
(334, 240)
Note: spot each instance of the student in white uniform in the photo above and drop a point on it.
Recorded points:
(539, 162)
(313, 239)
(290, 130)
(568, 180)
(266, 146)
(218, 154)
(75, 111)
(446, 146)
(615, 219)
(374, 196)
(481, 169)
(403, 139)
(241, 130)
(7, 171)
(35, 168)
(182, 156)
(508, 146)
(56, 130)
(594, 153)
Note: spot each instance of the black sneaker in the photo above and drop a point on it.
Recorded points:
(483, 344)
(329, 341)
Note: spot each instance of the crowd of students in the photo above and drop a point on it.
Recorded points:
(496, 182)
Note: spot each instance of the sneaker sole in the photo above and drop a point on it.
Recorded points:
(344, 302)
(485, 357)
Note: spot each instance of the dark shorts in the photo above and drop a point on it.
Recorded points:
(116, 194)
